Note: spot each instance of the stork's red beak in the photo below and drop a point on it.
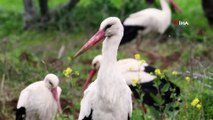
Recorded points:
(93, 41)
(175, 6)
(56, 98)
(89, 79)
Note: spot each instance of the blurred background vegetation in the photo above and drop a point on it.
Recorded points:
(27, 55)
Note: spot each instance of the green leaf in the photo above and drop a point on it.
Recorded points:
(165, 88)
(155, 113)
(137, 114)
(157, 98)
(85, 3)
(157, 82)
(117, 3)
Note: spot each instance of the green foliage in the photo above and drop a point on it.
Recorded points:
(7, 24)
(137, 114)
(117, 3)
(85, 3)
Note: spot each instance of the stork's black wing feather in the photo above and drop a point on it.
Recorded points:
(128, 117)
(130, 33)
(89, 117)
(21, 113)
(149, 69)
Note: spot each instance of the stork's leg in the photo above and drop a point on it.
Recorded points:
(138, 43)
(150, 54)
(159, 37)
(162, 38)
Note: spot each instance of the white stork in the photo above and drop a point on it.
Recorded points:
(148, 20)
(40, 100)
(109, 97)
(140, 71)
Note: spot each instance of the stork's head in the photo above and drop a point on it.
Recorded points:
(52, 81)
(110, 27)
(96, 62)
(174, 5)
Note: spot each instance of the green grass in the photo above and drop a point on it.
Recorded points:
(193, 13)
(17, 72)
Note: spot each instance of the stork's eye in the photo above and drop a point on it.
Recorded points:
(108, 26)
(95, 65)
(51, 83)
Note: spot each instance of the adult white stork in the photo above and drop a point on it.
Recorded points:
(140, 71)
(148, 20)
(40, 100)
(107, 98)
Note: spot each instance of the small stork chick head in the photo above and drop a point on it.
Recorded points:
(51, 81)
(96, 62)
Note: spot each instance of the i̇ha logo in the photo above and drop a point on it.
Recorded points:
(180, 23)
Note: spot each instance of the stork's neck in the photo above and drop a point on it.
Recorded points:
(108, 77)
(109, 59)
(109, 50)
(165, 6)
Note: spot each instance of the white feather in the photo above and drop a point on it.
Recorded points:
(134, 69)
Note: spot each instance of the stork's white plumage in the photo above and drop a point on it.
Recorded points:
(134, 69)
(109, 97)
(40, 100)
(148, 20)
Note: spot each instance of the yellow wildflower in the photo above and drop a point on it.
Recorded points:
(137, 56)
(130, 68)
(187, 78)
(198, 106)
(157, 72)
(67, 72)
(174, 73)
(134, 82)
(142, 61)
(195, 102)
